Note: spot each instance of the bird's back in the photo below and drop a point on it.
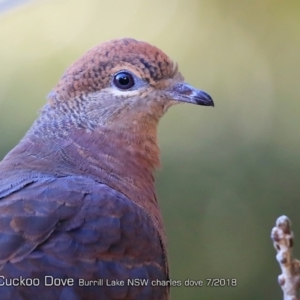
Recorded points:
(73, 238)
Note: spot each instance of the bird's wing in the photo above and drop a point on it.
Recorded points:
(73, 227)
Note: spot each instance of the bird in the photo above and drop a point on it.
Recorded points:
(79, 215)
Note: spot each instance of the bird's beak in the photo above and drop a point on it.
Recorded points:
(183, 92)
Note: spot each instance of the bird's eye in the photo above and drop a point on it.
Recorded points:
(123, 81)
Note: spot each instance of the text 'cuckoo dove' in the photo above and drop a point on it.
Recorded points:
(79, 218)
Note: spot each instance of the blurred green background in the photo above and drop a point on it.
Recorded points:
(228, 172)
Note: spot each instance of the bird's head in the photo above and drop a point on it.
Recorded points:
(123, 82)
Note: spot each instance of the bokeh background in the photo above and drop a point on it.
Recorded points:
(228, 172)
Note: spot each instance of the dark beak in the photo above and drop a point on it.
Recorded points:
(183, 92)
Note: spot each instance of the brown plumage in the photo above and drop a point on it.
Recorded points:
(77, 196)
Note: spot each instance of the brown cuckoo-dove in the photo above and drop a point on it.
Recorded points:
(79, 217)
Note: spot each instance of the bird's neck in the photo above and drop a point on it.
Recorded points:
(122, 156)
(122, 159)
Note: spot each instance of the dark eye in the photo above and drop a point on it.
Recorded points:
(123, 80)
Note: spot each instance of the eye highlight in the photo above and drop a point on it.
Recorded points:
(123, 80)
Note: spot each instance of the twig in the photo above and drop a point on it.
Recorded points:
(283, 240)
